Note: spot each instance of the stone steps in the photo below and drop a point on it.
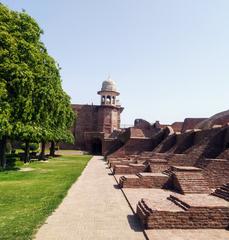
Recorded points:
(190, 182)
(131, 168)
(143, 180)
(222, 192)
(130, 182)
(158, 165)
(189, 185)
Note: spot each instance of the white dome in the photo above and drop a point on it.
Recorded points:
(109, 85)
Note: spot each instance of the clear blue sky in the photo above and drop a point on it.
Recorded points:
(170, 58)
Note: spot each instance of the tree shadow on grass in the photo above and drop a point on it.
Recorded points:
(10, 163)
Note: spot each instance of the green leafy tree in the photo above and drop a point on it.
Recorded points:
(5, 127)
(19, 51)
(62, 121)
(32, 99)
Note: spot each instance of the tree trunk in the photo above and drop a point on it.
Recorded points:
(3, 151)
(42, 153)
(52, 149)
(26, 159)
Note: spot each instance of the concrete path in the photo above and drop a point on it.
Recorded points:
(93, 209)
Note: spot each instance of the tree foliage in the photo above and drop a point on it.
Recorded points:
(33, 105)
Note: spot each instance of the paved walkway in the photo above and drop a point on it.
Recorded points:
(93, 209)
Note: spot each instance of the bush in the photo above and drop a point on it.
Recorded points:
(32, 146)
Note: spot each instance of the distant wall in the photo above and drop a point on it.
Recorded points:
(190, 123)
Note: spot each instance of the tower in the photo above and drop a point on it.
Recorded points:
(95, 124)
(110, 109)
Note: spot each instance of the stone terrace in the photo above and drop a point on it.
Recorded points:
(152, 182)
(191, 212)
(158, 199)
(181, 181)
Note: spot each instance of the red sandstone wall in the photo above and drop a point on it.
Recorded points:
(86, 121)
(108, 119)
(177, 126)
(93, 119)
(190, 123)
(137, 142)
(215, 171)
(186, 220)
(133, 146)
(166, 144)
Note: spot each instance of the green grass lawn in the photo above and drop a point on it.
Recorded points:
(27, 198)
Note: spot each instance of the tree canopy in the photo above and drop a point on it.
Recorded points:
(33, 105)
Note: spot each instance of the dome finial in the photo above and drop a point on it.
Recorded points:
(109, 76)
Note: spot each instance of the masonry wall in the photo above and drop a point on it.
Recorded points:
(187, 220)
(215, 171)
(133, 146)
(108, 119)
(190, 123)
(86, 121)
(166, 144)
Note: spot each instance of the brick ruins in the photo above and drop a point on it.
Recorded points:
(185, 165)
(188, 164)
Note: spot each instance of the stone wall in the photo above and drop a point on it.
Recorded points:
(133, 146)
(187, 217)
(143, 180)
(166, 144)
(177, 126)
(190, 123)
(215, 171)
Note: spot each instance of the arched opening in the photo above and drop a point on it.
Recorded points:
(227, 145)
(103, 99)
(96, 146)
(108, 100)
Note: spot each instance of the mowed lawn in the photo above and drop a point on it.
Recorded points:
(28, 198)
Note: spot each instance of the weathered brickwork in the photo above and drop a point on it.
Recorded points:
(184, 215)
(144, 180)
(189, 180)
(131, 168)
(215, 171)
(222, 192)
(191, 164)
